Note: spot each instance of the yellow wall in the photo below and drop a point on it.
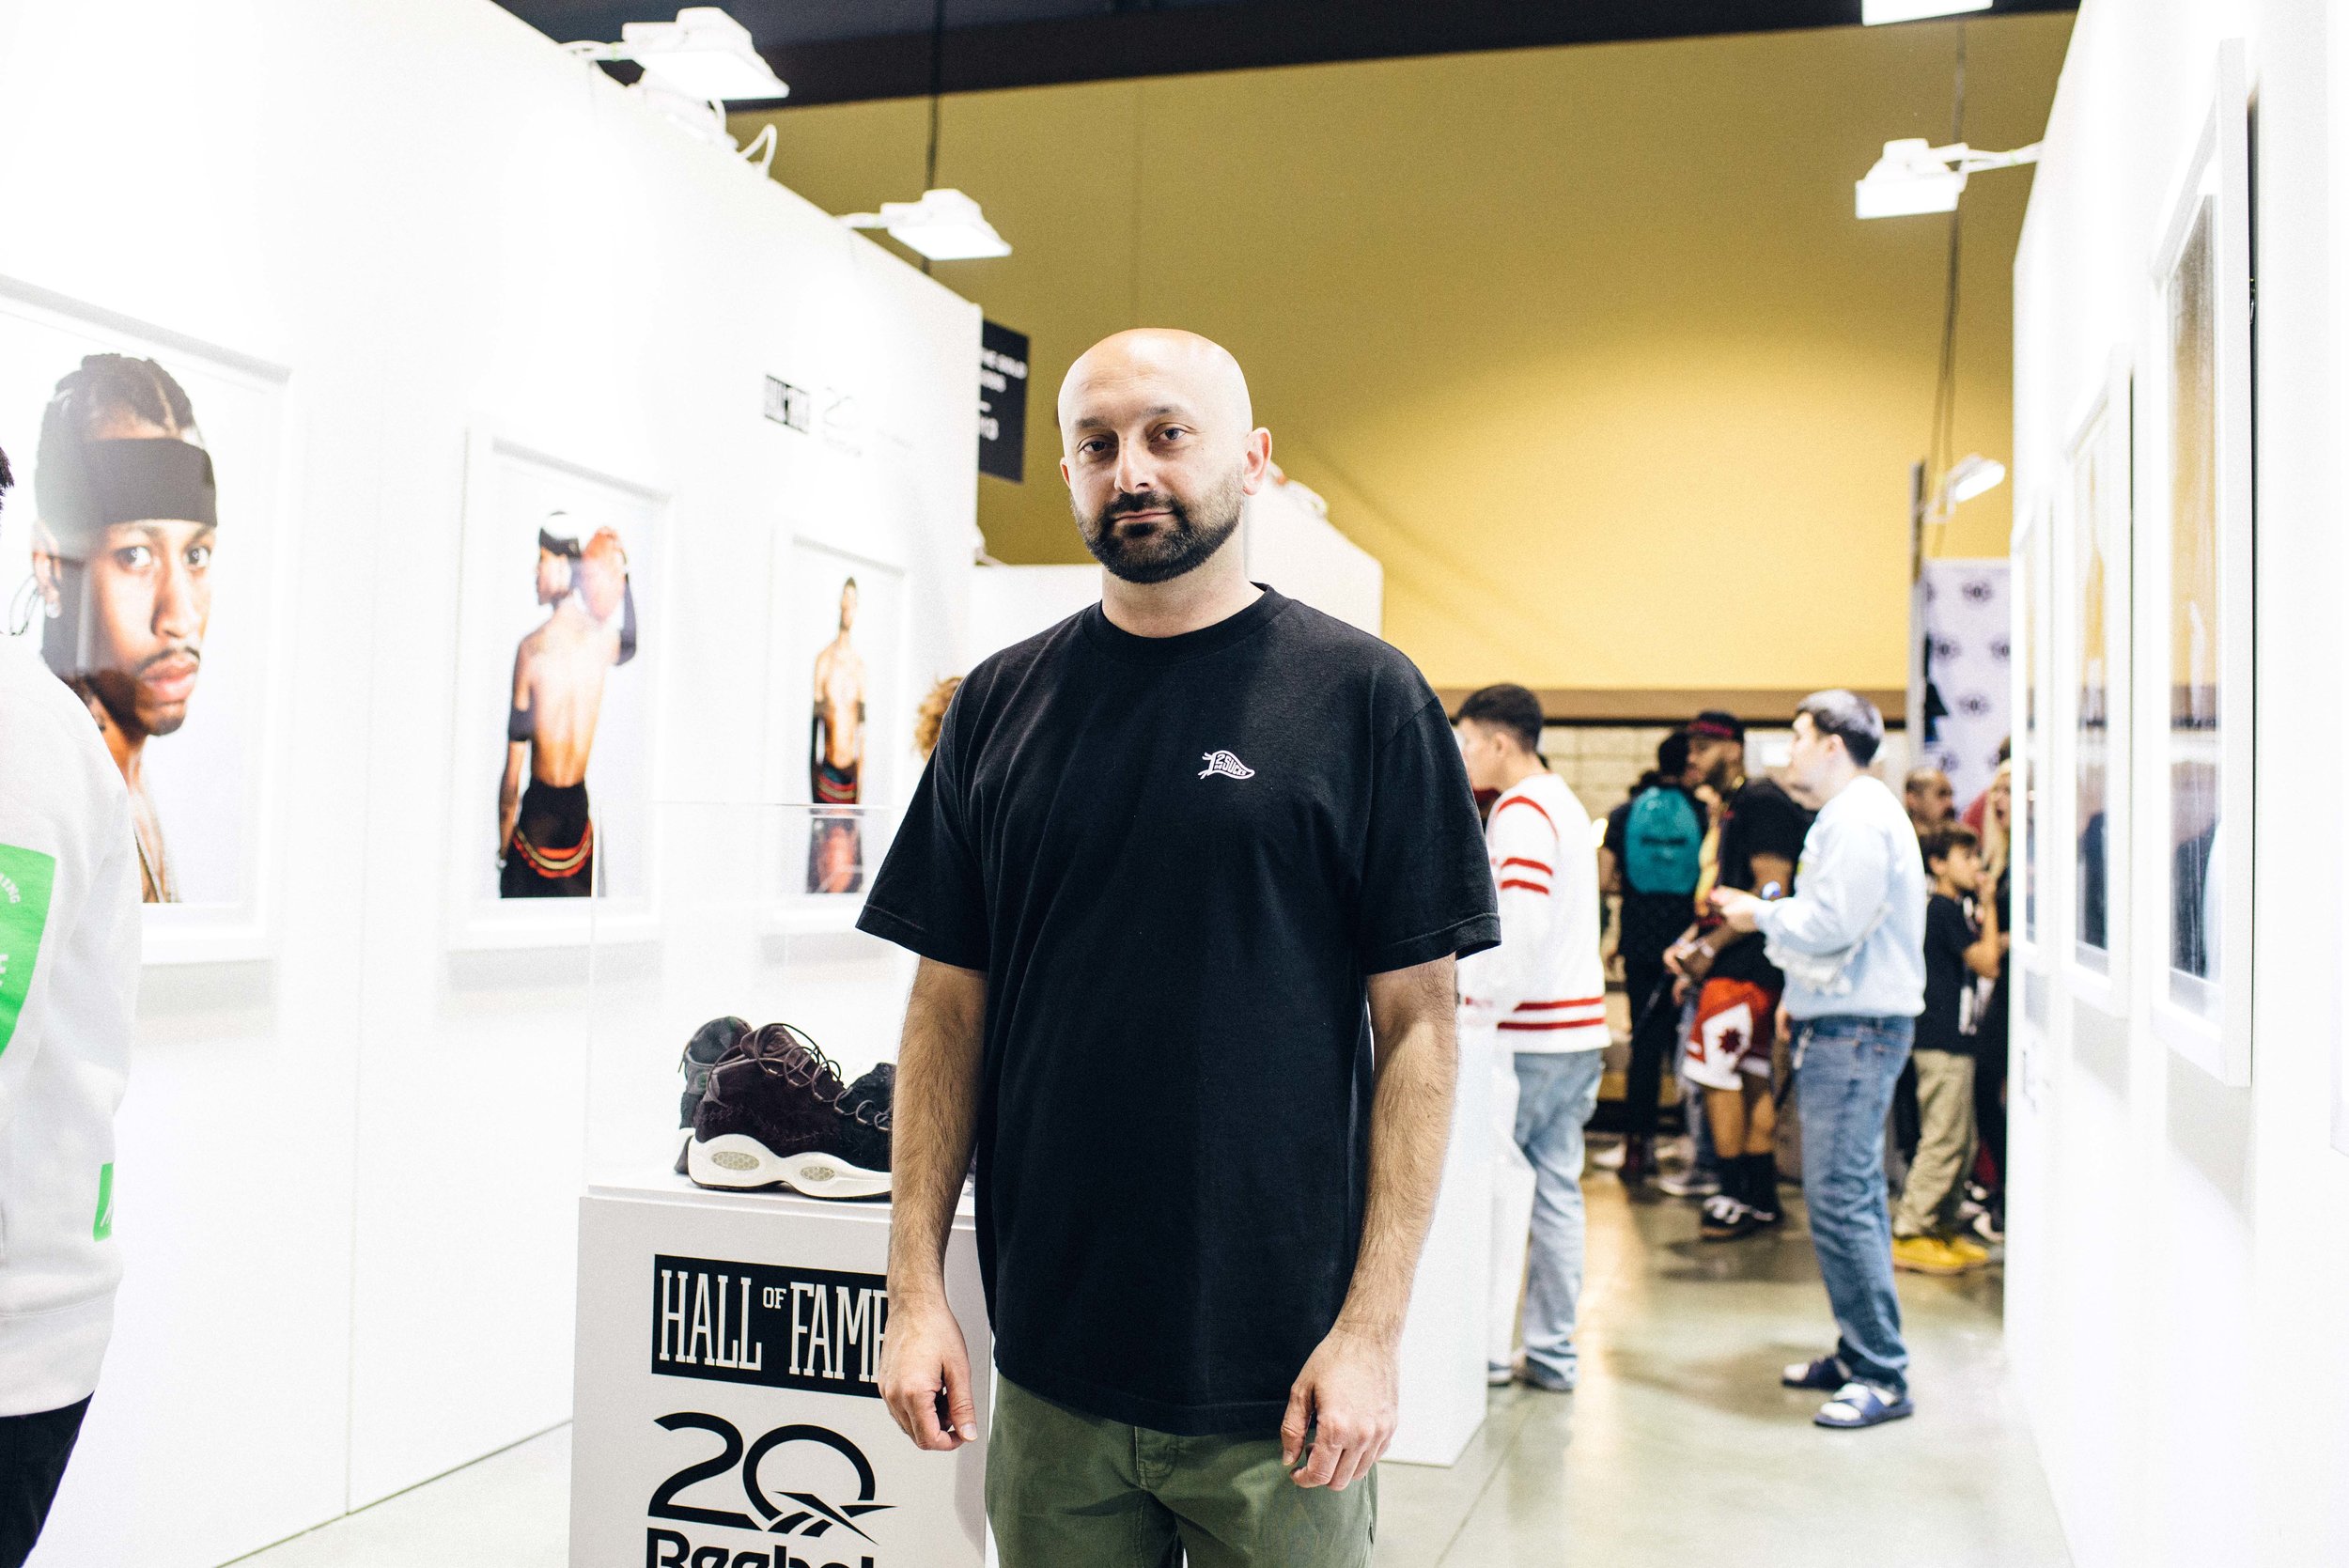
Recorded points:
(1584, 344)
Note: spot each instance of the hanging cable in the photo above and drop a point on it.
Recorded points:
(938, 92)
(1941, 446)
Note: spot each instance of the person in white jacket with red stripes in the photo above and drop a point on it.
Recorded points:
(1543, 991)
(68, 979)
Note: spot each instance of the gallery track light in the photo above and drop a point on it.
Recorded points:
(1875, 13)
(1973, 475)
(944, 226)
(705, 54)
(1914, 176)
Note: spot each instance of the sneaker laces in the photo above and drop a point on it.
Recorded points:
(789, 1053)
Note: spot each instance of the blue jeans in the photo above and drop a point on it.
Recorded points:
(1848, 1069)
(1556, 1094)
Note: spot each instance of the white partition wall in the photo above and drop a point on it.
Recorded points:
(2173, 1317)
(354, 1136)
(1293, 546)
(1290, 543)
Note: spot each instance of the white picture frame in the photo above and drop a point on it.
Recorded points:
(810, 576)
(2035, 909)
(513, 491)
(2197, 450)
(2030, 761)
(2092, 656)
(214, 779)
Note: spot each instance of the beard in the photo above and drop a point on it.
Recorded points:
(1193, 532)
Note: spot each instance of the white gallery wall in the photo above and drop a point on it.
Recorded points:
(2175, 1285)
(1290, 545)
(354, 1138)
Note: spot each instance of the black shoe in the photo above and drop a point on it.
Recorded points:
(1726, 1219)
(1639, 1161)
(711, 1040)
(776, 1113)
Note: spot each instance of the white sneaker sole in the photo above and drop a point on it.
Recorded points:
(736, 1161)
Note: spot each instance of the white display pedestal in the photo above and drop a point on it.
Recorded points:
(1442, 1396)
(726, 1409)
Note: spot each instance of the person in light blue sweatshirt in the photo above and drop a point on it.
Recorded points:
(1851, 942)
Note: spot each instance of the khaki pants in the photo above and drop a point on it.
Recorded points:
(1945, 1143)
(1066, 1490)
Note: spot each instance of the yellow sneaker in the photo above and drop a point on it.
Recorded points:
(1924, 1254)
(1970, 1254)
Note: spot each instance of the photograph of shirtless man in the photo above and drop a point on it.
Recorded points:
(835, 849)
(122, 565)
(545, 831)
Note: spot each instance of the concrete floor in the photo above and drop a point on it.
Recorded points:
(1679, 1448)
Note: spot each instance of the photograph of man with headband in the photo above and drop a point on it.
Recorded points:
(546, 833)
(122, 563)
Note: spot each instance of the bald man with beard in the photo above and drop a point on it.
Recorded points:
(1187, 875)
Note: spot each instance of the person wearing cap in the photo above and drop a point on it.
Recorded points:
(69, 980)
(545, 831)
(1756, 837)
(122, 563)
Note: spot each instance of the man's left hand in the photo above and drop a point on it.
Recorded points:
(1740, 910)
(1347, 1397)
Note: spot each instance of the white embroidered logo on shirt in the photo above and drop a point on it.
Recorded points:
(1225, 764)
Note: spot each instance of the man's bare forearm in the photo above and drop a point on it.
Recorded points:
(1410, 1122)
(933, 1120)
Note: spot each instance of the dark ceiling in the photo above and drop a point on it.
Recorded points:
(842, 51)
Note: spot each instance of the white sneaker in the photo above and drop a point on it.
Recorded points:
(1609, 1156)
(1499, 1375)
(1693, 1182)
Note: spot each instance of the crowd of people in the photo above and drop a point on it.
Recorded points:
(1803, 948)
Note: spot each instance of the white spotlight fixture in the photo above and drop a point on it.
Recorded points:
(703, 54)
(1875, 13)
(1914, 176)
(693, 66)
(1974, 474)
(944, 226)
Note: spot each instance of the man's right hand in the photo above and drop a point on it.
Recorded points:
(923, 1356)
(1690, 960)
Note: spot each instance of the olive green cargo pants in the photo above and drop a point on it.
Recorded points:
(1066, 1490)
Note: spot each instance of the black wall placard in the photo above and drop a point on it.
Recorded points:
(785, 1327)
(1003, 401)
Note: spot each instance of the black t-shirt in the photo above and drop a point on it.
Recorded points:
(1177, 860)
(1652, 922)
(1761, 819)
(1948, 1020)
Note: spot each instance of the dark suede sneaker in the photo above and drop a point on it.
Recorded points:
(711, 1041)
(776, 1112)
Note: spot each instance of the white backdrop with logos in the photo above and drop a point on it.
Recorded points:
(1968, 636)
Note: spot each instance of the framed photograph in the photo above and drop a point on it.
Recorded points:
(142, 557)
(2028, 849)
(2196, 583)
(2033, 1020)
(2098, 498)
(840, 741)
(559, 636)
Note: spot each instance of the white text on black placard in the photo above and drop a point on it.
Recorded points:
(784, 1327)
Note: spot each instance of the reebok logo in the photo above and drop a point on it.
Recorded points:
(1225, 764)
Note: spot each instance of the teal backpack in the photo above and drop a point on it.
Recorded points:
(1661, 839)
